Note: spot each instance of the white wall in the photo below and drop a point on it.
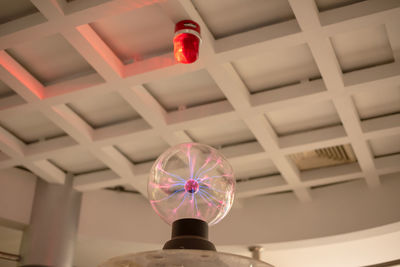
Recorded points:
(336, 209)
(17, 188)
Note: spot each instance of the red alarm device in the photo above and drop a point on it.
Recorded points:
(187, 41)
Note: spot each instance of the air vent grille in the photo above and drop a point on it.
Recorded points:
(324, 157)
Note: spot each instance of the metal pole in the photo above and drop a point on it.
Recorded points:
(50, 237)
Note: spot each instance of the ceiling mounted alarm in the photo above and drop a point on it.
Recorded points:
(187, 41)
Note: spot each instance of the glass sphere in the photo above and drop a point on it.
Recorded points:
(191, 180)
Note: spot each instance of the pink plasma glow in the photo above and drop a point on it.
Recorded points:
(191, 186)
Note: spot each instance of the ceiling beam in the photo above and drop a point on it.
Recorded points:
(306, 13)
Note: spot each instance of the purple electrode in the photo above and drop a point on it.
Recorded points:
(191, 186)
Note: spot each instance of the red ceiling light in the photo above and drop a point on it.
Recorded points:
(187, 41)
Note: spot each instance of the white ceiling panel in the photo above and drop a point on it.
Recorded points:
(76, 163)
(382, 101)
(50, 59)
(227, 17)
(140, 151)
(31, 126)
(104, 109)
(385, 146)
(303, 118)
(257, 168)
(362, 48)
(138, 34)
(324, 5)
(188, 90)
(226, 133)
(278, 68)
(11, 10)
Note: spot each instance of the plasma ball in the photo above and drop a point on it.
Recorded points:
(201, 187)
(191, 186)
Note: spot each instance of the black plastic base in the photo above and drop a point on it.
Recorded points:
(189, 234)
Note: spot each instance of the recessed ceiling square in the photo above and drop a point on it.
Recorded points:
(380, 102)
(12, 10)
(138, 34)
(227, 133)
(277, 68)
(143, 150)
(228, 17)
(321, 188)
(363, 48)
(324, 5)
(77, 162)
(5, 90)
(303, 118)
(31, 126)
(257, 168)
(130, 188)
(191, 89)
(324, 157)
(3, 156)
(50, 59)
(390, 179)
(103, 110)
(384, 146)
